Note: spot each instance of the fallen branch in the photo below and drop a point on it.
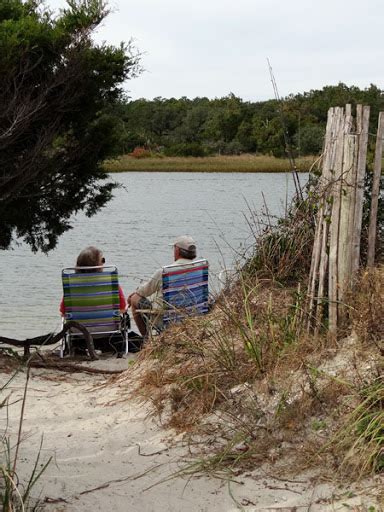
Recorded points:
(49, 339)
(71, 367)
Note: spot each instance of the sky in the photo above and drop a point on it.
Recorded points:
(211, 48)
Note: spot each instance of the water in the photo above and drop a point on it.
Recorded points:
(134, 231)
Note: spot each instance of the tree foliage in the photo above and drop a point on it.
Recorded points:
(59, 93)
(231, 125)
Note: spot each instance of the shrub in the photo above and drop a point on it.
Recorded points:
(283, 250)
(140, 152)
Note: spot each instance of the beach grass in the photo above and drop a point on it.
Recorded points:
(219, 163)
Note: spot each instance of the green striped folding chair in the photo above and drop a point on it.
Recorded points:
(91, 298)
(185, 290)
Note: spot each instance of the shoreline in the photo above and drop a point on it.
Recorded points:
(240, 164)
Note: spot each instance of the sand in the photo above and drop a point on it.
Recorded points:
(108, 455)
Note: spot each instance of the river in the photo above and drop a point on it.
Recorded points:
(134, 231)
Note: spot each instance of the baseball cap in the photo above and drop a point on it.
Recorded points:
(184, 242)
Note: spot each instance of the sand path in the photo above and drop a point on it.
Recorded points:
(111, 457)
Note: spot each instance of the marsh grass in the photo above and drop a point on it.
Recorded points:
(219, 163)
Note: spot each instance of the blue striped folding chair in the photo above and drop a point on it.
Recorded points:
(185, 290)
(91, 298)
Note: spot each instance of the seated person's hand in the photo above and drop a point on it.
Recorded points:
(129, 299)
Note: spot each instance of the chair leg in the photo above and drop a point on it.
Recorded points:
(124, 336)
(64, 341)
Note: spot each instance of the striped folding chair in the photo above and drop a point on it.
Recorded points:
(185, 290)
(91, 298)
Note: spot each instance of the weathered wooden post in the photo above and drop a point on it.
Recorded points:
(337, 176)
(328, 177)
(346, 216)
(363, 125)
(375, 192)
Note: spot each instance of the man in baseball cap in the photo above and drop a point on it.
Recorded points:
(185, 242)
(149, 295)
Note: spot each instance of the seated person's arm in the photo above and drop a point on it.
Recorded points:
(147, 289)
(62, 307)
(123, 302)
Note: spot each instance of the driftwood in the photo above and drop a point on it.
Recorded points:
(49, 339)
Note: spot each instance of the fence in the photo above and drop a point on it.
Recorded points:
(337, 244)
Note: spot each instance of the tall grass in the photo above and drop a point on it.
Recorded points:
(197, 363)
(220, 163)
(361, 436)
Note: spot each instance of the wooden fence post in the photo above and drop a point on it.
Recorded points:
(333, 259)
(359, 188)
(346, 214)
(375, 192)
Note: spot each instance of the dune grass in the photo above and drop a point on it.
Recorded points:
(250, 380)
(219, 163)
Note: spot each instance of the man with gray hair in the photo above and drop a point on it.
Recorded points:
(149, 295)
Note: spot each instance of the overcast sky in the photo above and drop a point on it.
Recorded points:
(213, 47)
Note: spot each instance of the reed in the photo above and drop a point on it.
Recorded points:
(220, 163)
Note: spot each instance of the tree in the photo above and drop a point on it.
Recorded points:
(57, 93)
(309, 141)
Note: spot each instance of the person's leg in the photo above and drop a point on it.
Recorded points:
(140, 303)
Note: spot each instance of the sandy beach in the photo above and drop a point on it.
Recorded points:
(107, 454)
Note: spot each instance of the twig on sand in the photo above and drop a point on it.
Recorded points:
(274, 477)
(47, 499)
(119, 480)
(150, 454)
(71, 367)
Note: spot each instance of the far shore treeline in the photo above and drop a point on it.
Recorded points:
(230, 126)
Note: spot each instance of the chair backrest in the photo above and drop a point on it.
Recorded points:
(92, 298)
(185, 290)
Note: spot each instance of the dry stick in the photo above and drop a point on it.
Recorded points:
(72, 367)
(358, 213)
(322, 273)
(375, 192)
(296, 180)
(314, 265)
